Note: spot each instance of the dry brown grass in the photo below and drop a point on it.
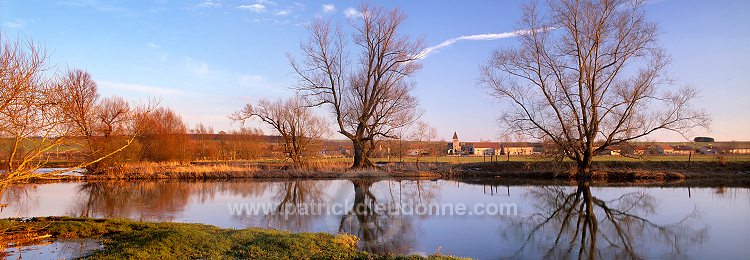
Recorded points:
(611, 170)
(164, 170)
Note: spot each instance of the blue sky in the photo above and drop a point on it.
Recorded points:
(207, 59)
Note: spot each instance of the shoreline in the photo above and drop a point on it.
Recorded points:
(539, 170)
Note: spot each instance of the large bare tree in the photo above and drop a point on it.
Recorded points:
(293, 119)
(370, 94)
(589, 74)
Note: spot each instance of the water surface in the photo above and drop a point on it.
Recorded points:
(531, 221)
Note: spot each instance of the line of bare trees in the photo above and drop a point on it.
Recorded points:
(293, 120)
(49, 117)
(44, 113)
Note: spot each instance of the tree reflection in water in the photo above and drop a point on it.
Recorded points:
(298, 202)
(154, 201)
(14, 195)
(384, 231)
(580, 225)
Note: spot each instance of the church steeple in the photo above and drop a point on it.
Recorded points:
(456, 144)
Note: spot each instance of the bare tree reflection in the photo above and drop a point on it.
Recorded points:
(15, 195)
(161, 201)
(299, 203)
(380, 228)
(580, 225)
(137, 200)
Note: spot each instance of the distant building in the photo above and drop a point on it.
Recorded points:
(744, 150)
(486, 148)
(336, 149)
(683, 150)
(610, 150)
(523, 148)
(709, 149)
(661, 149)
(492, 148)
(456, 143)
(633, 150)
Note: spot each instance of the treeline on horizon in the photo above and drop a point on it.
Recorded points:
(184, 145)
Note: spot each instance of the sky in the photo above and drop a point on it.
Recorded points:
(206, 59)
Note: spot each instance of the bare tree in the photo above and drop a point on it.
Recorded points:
(78, 95)
(370, 96)
(163, 136)
(421, 138)
(298, 126)
(28, 126)
(587, 75)
(36, 117)
(100, 125)
(112, 114)
(202, 130)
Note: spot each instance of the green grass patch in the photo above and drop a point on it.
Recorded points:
(127, 239)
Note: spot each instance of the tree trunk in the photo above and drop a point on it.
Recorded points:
(584, 167)
(296, 160)
(360, 155)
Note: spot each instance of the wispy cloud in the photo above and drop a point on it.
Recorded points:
(97, 5)
(150, 90)
(250, 80)
(265, 2)
(210, 4)
(282, 12)
(258, 84)
(329, 8)
(258, 8)
(352, 13)
(152, 45)
(198, 68)
(475, 37)
(18, 23)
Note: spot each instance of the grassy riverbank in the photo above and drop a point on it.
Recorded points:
(621, 170)
(126, 239)
(613, 170)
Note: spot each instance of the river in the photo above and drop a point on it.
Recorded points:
(484, 219)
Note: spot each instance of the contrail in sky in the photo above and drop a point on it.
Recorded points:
(475, 37)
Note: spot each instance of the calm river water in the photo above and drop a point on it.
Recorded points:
(479, 219)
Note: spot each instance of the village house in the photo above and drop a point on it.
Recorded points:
(744, 150)
(683, 150)
(335, 149)
(661, 149)
(709, 149)
(633, 150)
(486, 148)
(417, 152)
(523, 148)
(610, 150)
(492, 148)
